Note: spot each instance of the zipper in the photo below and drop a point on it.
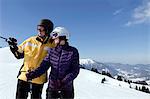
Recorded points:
(59, 63)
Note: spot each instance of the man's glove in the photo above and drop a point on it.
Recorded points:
(12, 43)
(29, 76)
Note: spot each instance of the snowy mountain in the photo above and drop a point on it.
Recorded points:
(132, 72)
(89, 64)
(87, 85)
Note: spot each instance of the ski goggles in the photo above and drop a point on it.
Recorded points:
(54, 35)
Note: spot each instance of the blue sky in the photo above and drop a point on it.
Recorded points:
(104, 30)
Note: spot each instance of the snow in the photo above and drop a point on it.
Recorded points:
(87, 85)
(86, 61)
(110, 90)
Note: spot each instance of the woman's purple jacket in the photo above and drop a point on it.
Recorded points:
(64, 63)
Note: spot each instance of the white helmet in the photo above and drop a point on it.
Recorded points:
(60, 31)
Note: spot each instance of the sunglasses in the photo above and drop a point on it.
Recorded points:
(40, 28)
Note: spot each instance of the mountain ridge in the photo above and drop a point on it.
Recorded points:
(129, 71)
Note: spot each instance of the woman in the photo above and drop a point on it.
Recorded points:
(64, 62)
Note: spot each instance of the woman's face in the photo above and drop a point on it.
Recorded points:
(59, 41)
(56, 40)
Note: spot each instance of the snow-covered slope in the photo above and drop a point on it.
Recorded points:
(87, 85)
(6, 56)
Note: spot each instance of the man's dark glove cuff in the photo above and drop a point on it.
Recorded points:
(29, 76)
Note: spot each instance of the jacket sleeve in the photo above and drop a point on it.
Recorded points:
(44, 66)
(19, 50)
(74, 70)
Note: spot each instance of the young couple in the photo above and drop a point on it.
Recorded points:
(50, 48)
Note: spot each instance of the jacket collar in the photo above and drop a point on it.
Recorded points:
(38, 38)
(62, 47)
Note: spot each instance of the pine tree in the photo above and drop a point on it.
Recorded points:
(130, 86)
(103, 80)
(82, 66)
(140, 89)
(103, 73)
(128, 81)
(136, 88)
(94, 70)
(109, 75)
(119, 78)
(147, 90)
(143, 88)
(125, 80)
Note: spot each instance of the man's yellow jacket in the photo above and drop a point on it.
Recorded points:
(34, 50)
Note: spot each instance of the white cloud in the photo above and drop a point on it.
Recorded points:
(117, 11)
(141, 14)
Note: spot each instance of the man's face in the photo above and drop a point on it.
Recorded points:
(41, 31)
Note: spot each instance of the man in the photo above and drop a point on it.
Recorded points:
(64, 62)
(33, 50)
